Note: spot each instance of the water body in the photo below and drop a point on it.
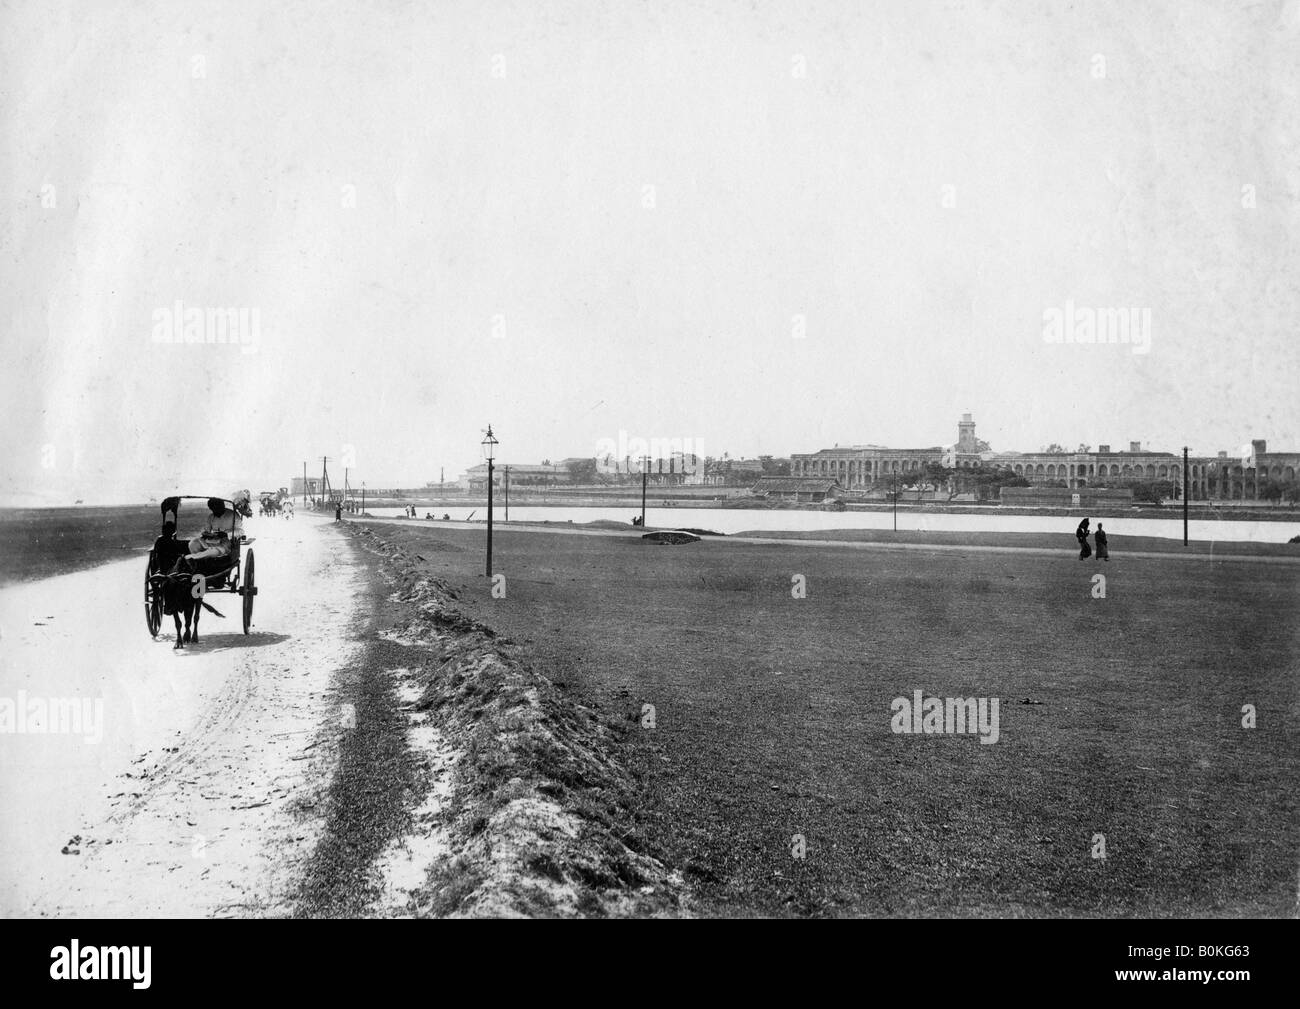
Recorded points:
(728, 520)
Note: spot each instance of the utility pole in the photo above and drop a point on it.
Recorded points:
(304, 483)
(645, 476)
(489, 446)
(363, 497)
(1184, 495)
(895, 500)
(507, 490)
(324, 480)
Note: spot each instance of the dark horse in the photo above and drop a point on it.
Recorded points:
(182, 593)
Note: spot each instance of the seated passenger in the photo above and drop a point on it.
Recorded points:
(222, 526)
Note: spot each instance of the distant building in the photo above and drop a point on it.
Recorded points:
(1240, 477)
(799, 489)
(863, 466)
(521, 475)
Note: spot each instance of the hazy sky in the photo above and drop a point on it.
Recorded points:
(768, 227)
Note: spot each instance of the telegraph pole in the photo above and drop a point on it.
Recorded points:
(645, 476)
(895, 500)
(489, 449)
(507, 490)
(1184, 495)
(304, 483)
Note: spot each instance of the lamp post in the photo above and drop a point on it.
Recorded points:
(489, 449)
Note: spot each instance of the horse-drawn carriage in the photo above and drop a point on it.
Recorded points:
(176, 582)
(275, 503)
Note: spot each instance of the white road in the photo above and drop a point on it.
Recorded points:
(200, 788)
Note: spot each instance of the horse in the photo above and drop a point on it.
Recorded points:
(183, 596)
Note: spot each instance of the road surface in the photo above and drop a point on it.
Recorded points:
(194, 783)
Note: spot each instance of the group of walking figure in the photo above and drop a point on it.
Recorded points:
(1085, 551)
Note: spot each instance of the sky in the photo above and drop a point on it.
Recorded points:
(766, 227)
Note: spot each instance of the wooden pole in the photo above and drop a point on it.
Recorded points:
(489, 541)
(1184, 495)
(645, 476)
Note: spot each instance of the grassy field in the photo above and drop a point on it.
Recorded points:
(40, 542)
(772, 718)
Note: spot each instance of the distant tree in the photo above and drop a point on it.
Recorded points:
(982, 446)
(1084, 448)
(937, 475)
(774, 467)
(1152, 491)
(582, 471)
(1279, 490)
(1054, 449)
(988, 481)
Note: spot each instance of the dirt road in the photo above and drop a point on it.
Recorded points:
(193, 782)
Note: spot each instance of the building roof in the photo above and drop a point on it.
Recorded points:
(795, 484)
(866, 448)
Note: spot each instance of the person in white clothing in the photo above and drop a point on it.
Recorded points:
(223, 525)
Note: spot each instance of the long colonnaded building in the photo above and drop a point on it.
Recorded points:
(1212, 478)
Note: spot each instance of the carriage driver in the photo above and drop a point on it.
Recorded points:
(222, 525)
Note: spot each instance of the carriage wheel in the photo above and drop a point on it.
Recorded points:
(249, 590)
(152, 602)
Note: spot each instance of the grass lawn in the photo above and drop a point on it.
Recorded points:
(41, 542)
(772, 718)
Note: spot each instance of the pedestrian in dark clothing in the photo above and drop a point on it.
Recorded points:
(1081, 534)
(1103, 551)
(338, 512)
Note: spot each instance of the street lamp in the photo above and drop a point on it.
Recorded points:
(489, 450)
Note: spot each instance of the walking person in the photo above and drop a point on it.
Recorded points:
(1081, 534)
(1103, 551)
(338, 512)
